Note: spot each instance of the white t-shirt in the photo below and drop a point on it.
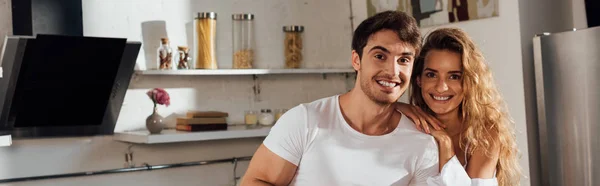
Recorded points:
(327, 151)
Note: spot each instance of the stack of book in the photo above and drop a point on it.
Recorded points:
(202, 121)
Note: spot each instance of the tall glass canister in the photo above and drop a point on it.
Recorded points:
(293, 46)
(205, 44)
(243, 40)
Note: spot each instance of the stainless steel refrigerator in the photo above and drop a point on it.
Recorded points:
(567, 75)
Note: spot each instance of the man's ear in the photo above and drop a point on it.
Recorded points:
(419, 81)
(355, 60)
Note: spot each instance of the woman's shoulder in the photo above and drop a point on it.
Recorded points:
(483, 160)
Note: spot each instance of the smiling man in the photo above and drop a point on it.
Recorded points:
(356, 138)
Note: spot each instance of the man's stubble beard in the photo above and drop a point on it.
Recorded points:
(366, 87)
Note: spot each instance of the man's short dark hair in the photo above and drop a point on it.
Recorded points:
(403, 24)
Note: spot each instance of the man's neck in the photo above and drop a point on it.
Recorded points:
(366, 116)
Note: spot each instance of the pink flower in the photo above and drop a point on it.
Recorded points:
(160, 96)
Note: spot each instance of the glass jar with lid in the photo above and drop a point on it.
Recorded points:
(279, 113)
(293, 46)
(183, 57)
(266, 117)
(243, 40)
(205, 36)
(165, 55)
(251, 118)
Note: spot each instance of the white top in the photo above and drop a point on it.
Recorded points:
(327, 151)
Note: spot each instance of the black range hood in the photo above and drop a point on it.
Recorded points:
(57, 85)
(32, 17)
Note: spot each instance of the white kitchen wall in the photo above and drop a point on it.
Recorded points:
(326, 37)
(5, 20)
(579, 14)
(327, 45)
(500, 41)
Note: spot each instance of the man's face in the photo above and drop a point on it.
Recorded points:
(385, 68)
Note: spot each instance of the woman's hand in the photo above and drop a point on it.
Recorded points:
(422, 120)
(442, 137)
(445, 146)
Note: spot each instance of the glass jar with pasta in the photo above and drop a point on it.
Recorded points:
(205, 36)
(293, 46)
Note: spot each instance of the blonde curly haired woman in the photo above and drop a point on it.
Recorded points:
(452, 87)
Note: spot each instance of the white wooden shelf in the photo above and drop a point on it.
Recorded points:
(243, 71)
(171, 135)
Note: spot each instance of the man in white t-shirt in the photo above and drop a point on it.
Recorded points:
(356, 138)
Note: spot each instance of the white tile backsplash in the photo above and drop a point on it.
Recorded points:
(326, 45)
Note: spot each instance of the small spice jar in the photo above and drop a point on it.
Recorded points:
(251, 118)
(279, 113)
(243, 40)
(165, 55)
(183, 59)
(205, 44)
(266, 117)
(293, 46)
